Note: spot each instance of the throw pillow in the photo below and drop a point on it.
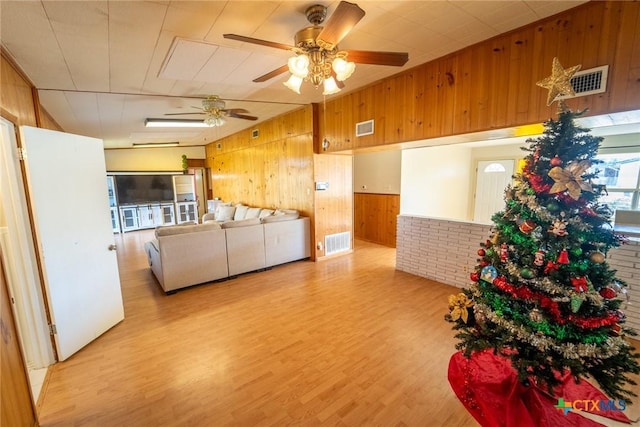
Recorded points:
(252, 213)
(219, 206)
(241, 212)
(225, 213)
(265, 212)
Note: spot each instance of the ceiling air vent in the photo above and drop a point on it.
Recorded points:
(364, 128)
(589, 82)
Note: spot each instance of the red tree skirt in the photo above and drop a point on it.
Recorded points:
(488, 386)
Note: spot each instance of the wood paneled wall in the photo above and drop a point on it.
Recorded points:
(333, 206)
(275, 169)
(375, 217)
(16, 96)
(492, 84)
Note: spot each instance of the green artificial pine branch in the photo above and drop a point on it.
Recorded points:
(543, 294)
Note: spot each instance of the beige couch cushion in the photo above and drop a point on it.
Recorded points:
(184, 229)
(278, 218)
(241, 223)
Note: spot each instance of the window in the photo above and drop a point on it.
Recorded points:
(621, 175)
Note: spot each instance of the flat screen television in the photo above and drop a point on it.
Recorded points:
(140, 189)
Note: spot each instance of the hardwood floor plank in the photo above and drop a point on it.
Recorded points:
(348, 341)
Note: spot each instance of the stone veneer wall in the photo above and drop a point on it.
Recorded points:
(445, 251)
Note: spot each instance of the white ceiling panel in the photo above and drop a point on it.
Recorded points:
(82, 32)
(186, 58)
(134, 28)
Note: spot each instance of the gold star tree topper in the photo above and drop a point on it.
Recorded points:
(559, 82)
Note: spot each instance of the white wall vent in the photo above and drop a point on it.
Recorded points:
(589, 82)
(364, 128)
(335, 243)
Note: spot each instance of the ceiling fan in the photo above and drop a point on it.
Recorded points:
(317, 57)
(215, 110)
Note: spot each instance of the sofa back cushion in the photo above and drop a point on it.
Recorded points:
(278, 218)
(184, 229)
(241, 212)
(241, 223)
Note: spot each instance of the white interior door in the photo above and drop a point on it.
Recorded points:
(491, 180)
(68, 190)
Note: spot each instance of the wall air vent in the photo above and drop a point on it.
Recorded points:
(589, 82)
(335, 243)
(364, 128)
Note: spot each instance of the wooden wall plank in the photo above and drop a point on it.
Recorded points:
(16, 96)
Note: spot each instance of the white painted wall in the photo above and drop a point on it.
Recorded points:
(150, 159)
(436, 182)
(377, 172)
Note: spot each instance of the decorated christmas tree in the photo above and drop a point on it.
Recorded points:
(543, 295)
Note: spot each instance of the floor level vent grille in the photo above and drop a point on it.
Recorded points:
(339, 242)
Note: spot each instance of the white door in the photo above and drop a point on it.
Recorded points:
(68, 190)
(492, 178)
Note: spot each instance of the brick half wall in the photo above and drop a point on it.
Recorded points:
(445, 251)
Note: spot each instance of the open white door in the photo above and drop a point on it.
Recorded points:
(491, 180)
(66, 176)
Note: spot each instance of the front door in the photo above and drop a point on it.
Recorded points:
(491, 180)
(66, 176)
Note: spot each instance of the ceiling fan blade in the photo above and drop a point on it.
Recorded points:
(258, 41)
(341, 21)
(242, 116)
(235, 110)
(396, 59)
(182, 114)
(272, 74)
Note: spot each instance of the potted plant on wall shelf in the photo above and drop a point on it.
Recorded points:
(185, 164)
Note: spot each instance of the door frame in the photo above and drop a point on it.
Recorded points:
(32, 297)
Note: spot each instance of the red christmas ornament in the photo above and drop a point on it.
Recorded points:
(556, 161)
(481, 252)
(475, 276)
(551, 266)
(563, 258)
(527, 226)
(484, 263)
(608, 293)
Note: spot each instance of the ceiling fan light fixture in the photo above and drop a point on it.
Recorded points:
(294, 83)
(214, 121)
(330, 86)
(213, 103)
(343, 68)
(299, 65)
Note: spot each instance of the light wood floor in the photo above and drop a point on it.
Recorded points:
(347, 341)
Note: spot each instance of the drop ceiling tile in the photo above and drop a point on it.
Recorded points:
(186, 58)
(131, 44)
(27, 35)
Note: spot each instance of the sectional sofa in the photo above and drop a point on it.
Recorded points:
(227, 244)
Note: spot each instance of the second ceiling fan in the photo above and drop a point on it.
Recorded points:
(317, 57)
(215, 110)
